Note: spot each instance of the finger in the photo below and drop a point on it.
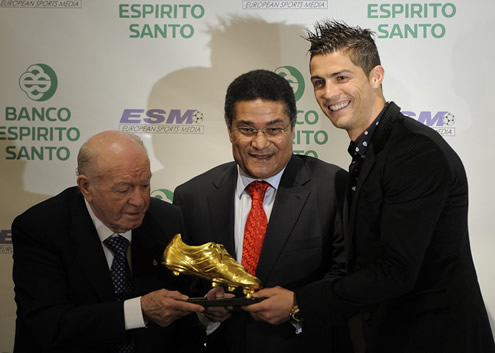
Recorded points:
(257, 307)
(190, 307)
(263, 293)
(218, 311)
(173, 294)
(215, 293)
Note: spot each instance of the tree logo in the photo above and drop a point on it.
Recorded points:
(295, 79)
(39, 82)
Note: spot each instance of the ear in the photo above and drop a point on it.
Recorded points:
(292, 131)
(376, 76)
(83, 183)
(231, 137)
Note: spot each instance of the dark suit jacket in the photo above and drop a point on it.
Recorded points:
(412, 276)
(303, 240)
(63, 289)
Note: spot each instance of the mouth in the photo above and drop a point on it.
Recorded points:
(260, 156)
(134, 214)
(339, 106)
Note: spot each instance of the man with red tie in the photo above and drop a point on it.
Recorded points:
(277, 213)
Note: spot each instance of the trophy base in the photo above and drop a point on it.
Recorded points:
(237, 301)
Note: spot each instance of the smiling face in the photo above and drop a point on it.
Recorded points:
(261, 156)
(349, 98)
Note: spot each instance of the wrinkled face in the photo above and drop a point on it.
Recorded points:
(345, 94)
(119, 193)
(261, 156)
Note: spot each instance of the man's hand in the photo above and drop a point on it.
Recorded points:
(275, 309)
(218, 313)
(163, 307)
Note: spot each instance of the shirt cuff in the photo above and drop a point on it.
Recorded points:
(208, 325)
(133, 315)
(297, 325)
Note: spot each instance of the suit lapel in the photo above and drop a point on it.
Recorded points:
(378, 141)
(293, 191)
(347, 221)
(221, 208)
(89, 253)
(147, 251)
(367, 167)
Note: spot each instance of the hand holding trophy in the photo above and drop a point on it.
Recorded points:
(212, 262)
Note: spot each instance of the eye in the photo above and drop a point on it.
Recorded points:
(274, 131)
(318, 83)
(247, 131)
(342, 78)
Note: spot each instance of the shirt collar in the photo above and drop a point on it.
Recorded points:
(243, 181)
(103, 231)
(361, 145)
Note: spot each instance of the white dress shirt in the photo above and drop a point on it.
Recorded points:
(242, 205)
(133, 315)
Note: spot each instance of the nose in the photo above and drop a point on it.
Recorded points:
(330, 90)
(260, 141)
(139, 196)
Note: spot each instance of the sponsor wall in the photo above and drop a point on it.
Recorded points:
(69, 69)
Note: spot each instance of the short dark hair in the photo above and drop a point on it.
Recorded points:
(333, 36)
(260, 84)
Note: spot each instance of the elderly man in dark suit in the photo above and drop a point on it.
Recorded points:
(411, 281)
(302, 236)
(75, 290)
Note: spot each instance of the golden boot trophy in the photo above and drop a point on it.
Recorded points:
(210, 261)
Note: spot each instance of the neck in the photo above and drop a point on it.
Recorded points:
(378, 106)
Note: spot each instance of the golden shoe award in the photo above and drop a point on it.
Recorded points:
(211, 261)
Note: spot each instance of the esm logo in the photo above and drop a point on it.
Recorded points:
(160, 116)
(442, 121)
(174, 121)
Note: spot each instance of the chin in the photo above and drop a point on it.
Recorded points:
(129, 227)
(263, 175)
(132, 224)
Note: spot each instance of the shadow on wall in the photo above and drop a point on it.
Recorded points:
(237, 44)
(15, 198)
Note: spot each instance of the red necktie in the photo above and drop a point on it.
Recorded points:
(255, 229)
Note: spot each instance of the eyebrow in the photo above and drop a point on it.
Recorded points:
(146, 179)
(338, 73)
(250, 123)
